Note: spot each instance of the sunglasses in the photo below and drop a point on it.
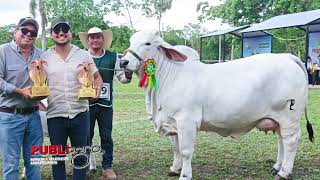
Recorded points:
(25, 31)
(58, 29)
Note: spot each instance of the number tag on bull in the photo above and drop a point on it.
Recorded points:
(105, 91)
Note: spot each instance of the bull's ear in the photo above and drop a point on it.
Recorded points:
(173, 54)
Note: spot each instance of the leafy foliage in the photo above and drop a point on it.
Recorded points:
(174, 37)
(246, 12)
(121, 36)
(6, 33)
(49, 43)
(119, 7)
(193, 33)
(33, 5)
(243, 12)
(155, 8)
(82, 15)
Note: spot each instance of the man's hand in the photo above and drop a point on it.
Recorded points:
(98, 90)
(25, 92)
(128, 74)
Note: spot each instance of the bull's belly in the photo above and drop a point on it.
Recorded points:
(236, 130)
(233, 130)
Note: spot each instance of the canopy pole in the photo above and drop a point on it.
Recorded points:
(242, 45)
(200, 49)
(220, 48)
(232, 48)
(307, 45)
(224, 48)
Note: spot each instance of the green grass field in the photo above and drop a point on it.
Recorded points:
(140, 153)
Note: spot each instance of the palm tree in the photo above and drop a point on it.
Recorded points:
(33, 6)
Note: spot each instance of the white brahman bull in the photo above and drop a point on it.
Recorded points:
(266, 91)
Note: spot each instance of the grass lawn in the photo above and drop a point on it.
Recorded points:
(140, 153)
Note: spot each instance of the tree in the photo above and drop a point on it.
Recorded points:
(6, 33)
(193, 33)
(82, 15)
(156, 8)
(243, 12)
(174, 37)
(246, 12)
(121, 36)
(34, 4)
(119, 6)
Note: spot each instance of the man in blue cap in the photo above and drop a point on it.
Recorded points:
(20, 124)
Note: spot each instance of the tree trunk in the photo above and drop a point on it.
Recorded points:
(43, 25)
(43, 39)
(129, 15)
(159, 25)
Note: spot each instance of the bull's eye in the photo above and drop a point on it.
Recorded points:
(148, 44)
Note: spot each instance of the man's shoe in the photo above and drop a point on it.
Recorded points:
(109, 174)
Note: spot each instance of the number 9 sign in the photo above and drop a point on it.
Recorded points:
(105, 91)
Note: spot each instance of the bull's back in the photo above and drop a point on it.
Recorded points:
(239, 93)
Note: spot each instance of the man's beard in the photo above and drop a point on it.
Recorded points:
(96, 48)
(62, 44)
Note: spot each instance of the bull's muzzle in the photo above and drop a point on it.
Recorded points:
(123, 63)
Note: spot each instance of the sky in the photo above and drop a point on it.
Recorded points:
(181, 13)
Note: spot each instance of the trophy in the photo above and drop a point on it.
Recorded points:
(86, 80)
(40, 88)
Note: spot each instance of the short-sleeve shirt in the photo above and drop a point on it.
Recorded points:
(63, 82)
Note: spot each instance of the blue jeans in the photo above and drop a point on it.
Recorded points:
(18, 131)
(104, 117)
(77, 128)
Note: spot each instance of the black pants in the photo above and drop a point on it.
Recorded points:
(60, 128)
(104, 116)
(315, 78)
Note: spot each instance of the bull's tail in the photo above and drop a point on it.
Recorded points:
(309, 126)
(301, 64)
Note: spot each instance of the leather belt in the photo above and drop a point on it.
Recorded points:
(22, 111)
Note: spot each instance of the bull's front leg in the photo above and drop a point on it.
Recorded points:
(186, 125)
(177, 159)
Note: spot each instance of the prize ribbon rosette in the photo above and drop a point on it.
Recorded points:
(149, 70)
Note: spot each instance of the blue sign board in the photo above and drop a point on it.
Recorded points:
(314, 45)
(257, 45)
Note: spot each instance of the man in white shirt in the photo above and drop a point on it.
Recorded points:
(67, 115)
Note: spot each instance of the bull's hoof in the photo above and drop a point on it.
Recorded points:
(278, 177)
(172, 174)
(274, 172)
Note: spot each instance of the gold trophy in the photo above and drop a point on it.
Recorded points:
(86, 80)
(38, 75)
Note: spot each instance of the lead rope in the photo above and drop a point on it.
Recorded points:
(108, 69)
